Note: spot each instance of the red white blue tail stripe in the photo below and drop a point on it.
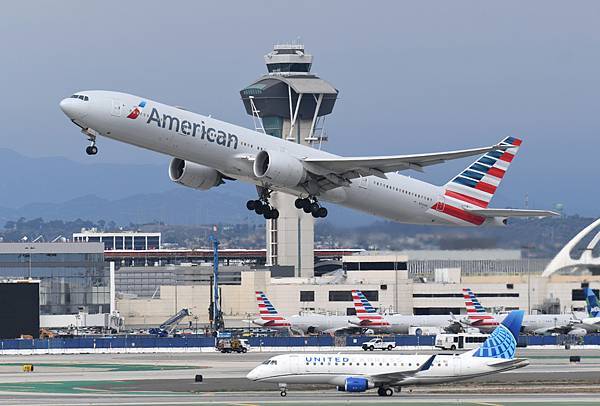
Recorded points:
(476, 313)
(475, 186)
(268, 313)
(365, 312)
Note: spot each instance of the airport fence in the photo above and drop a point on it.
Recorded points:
(134, 342)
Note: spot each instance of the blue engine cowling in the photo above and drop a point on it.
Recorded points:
(356, 385)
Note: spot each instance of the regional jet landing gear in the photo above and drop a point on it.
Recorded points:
(385, 391)
(283, 389)
(262, 205)
(311, 205)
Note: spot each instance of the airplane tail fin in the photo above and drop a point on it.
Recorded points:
(502, 343)
(361, 303)
(476, 313)
(268, 313)
(476, 185)
(366, 313)
(592, 303)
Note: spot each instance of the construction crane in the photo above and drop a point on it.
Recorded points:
(214, 311)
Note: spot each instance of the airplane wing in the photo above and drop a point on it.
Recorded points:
(354, 167)
(393, 377)
(511, 212)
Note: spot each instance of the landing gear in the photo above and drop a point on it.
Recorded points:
(262, 205)
(311, 205)
(92, 149)
(385, 391)
(283, 389)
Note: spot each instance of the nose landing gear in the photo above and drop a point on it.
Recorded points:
(283, 389)
(311, 205)
(92, 149)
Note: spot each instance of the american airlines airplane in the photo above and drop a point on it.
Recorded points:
(360, 372)
(479, 318)
(367, 317)
(299, 324)
(208, 152)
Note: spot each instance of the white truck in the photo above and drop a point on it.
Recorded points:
(378, 344)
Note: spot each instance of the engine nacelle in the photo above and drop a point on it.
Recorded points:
(579, 332)
(356, 384)
(279, 168)
(194, 175)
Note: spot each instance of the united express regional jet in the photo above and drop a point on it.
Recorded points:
(207, 152)
(359, 372)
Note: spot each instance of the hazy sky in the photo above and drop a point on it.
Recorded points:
(418, 76)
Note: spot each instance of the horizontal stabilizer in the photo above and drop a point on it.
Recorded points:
(514, 362)
(511, 212)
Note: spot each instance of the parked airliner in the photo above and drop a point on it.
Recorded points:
(591, 323)
(367, 317)
(208, 152)
(360, 372)
(300, 323)
(478, 317)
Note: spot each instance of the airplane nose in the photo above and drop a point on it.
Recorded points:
(73, 108)
(252, 375)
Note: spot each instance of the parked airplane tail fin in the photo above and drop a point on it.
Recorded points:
(592, 303)
(268, 313)
(476, 313)
(476, 185)
(502, 343)
(365, 312)
(361, 303)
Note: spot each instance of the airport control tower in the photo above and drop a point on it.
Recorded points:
(291, 103)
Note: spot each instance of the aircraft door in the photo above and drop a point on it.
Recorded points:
(295, 362)
(117, 107)
(364, 182)
(461, 342)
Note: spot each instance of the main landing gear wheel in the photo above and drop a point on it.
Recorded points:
(283, 389)
(311, 206)
(262, 206)
(283, 393)
(385, 391)
(91, 150)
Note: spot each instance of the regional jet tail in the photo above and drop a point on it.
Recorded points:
(208, 152)
(354, 372)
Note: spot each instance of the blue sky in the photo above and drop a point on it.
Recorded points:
(413, 77)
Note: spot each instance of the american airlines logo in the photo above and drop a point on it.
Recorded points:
(185, 127)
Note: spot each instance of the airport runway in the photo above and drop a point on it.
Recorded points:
(168, 379)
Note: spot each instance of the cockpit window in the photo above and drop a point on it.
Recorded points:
(270, 362)
(267, 362)
(80, 97)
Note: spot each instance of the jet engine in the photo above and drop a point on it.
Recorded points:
(279, 168)
(356, 384)
(578, 331)
(194, 175)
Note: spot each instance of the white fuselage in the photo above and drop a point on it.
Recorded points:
(311, 323)
(333, 369)
(401, 324)
(230, 149)
(533, 323)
